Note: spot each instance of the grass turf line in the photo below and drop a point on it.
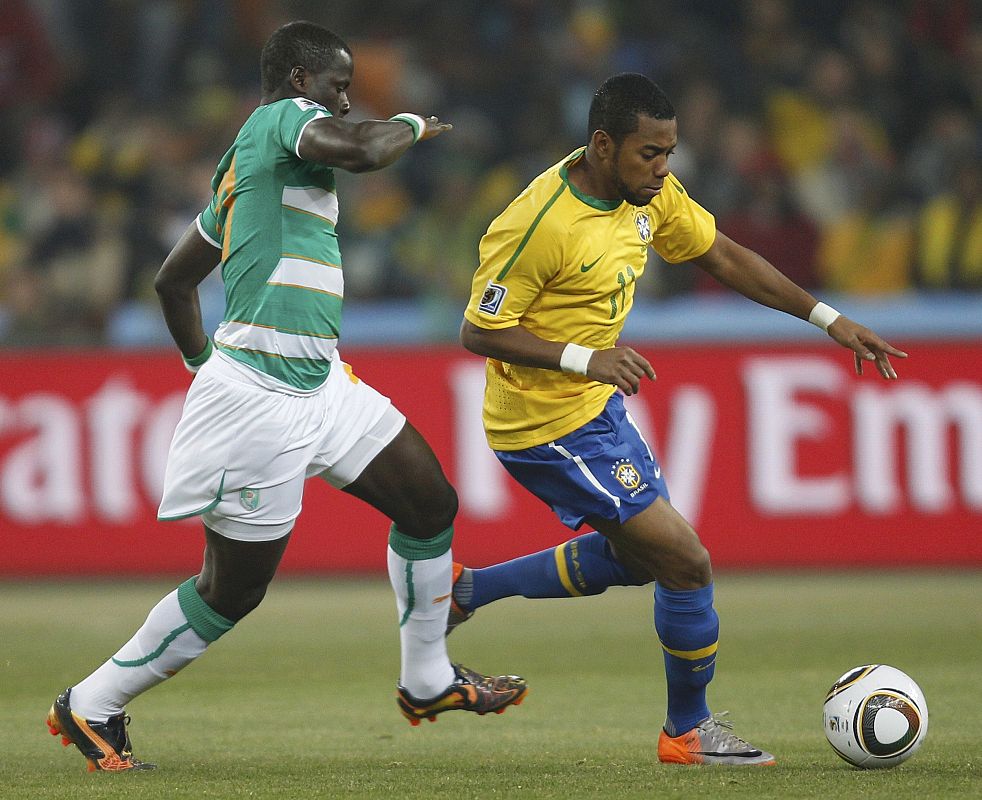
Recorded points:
(298, 701)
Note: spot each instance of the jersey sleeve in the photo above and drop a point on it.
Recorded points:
(685, 229)
(296, 114)
(519, 255)
(208, 227)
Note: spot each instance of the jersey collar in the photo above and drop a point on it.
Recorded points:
(583, 197)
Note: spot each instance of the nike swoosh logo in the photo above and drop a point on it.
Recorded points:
(592, 264)
(441, 598)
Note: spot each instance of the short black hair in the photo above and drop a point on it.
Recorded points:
(298, 44)
(621, 99)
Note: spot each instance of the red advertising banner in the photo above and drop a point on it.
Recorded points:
(780, 458)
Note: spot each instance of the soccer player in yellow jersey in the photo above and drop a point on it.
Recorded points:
(555, 283)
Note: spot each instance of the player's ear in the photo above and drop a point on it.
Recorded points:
(299, 79)
(601, 143)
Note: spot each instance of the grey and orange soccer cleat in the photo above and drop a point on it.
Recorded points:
(457, 615)
(472, 691)
(105, 745)
(711, 742)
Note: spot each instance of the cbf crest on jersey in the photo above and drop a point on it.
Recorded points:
(491, 300)
(643, 223)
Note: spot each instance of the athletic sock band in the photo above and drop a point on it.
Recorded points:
(413, 549)
(204, 620)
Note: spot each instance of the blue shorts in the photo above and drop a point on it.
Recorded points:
(603, 469)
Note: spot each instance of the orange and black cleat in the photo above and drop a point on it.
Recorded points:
(471, 691)
(105, 745)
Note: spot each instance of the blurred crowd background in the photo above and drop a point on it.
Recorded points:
(840, 139)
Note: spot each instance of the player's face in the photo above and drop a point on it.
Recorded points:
(330, 87)
(640, 163)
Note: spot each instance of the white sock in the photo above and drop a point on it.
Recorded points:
(159, 649)
(423, 599)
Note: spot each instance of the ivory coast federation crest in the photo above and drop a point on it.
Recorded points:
(626, 473)
(643, 223)
(249, 498)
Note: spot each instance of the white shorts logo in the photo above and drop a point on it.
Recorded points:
(492, 298)
(249, 499)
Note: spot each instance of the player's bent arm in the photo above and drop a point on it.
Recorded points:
(755, 277)
(514, 345)
(364, 146)
(620, 366)
(176, 284)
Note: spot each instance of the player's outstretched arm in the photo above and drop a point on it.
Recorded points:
(754, 277)
(621, 366)
(368, 145)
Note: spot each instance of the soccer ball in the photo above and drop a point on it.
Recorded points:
(875, 716)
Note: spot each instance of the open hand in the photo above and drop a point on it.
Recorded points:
(866, 345)
(434, 128)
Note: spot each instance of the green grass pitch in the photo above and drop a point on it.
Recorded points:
(298, 701)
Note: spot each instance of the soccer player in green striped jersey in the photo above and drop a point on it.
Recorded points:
(273, 404)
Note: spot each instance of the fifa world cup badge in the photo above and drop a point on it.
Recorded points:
(492, 298)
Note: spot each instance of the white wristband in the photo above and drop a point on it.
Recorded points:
(414, 121)
(575, 358)
(823, 316)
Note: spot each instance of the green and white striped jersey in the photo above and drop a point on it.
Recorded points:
(273, 216)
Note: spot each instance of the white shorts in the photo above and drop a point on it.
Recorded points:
(246, 443)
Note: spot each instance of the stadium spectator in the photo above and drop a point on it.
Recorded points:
(949, 230)
(842, 91)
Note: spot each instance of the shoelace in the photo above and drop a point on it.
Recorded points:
(718, 727)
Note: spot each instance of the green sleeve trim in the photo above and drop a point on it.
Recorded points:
(204, 620)
(419, 549)
(202, 357)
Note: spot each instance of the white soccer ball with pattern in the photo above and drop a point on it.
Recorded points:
(875, 716)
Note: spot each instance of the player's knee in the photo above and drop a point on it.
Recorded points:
(697, 567)
(689, 566)
(441, 514)
(432, 512)
(232, 602)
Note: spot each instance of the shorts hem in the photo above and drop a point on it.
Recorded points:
(248, 532)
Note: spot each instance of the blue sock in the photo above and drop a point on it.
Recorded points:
(581, 566)
(688, 628)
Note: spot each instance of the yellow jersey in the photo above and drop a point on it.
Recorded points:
(564, 265)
